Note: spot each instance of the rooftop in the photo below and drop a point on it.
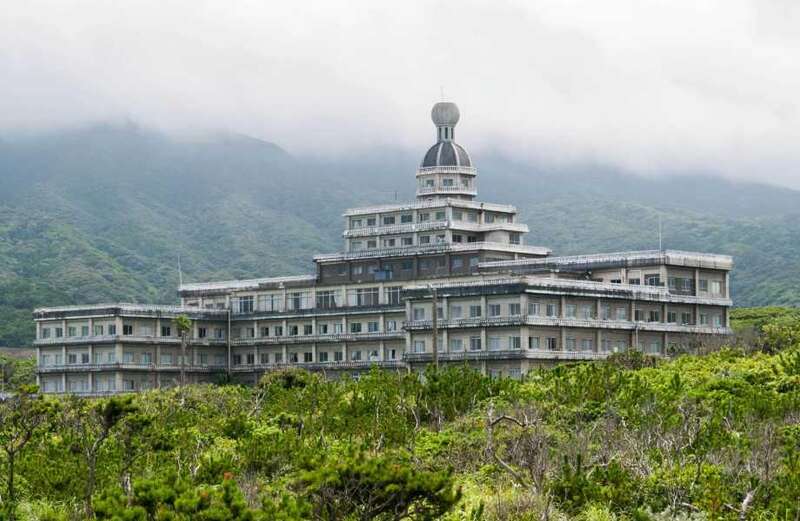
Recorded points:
(243, 284)
(431, 203)
(630, 258)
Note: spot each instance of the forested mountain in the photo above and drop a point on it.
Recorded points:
(103, 213)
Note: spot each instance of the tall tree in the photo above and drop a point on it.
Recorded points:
(21, 417)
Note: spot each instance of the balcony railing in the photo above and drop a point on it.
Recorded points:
(427, 170)
(506, 354)
(130, 339)
(434, 203)
(316, 366)
(305, 339)
(127, 366)
(434, 249)
(427, 190)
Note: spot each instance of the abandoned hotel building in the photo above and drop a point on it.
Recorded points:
(502, 306)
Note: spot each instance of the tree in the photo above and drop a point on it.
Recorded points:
(21, 417)
(91, 424)
(184, 326)
(357, 485)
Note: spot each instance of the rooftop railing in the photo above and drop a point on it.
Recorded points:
(433, 249)
(126, 309)
(656, 256)
(434, 203)
(428, 190)
(427, 170)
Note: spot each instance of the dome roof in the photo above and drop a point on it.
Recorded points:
(446, 153)
(445, 113)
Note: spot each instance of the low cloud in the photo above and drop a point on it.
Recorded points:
(647, 85)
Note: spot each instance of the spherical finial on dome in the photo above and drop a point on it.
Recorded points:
(445, 114)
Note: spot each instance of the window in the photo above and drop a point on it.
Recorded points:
(371, 221)
(424, 217)
(72, 331)
(419, 313)
(586, 344)
(672, 317)
(458, 215)
(322, 329)
(308, 357)
(440, 215)
(127, 329)
(84, 330)
(494, 310)
(147, 358)
(358, 269)
(456, 344)
(264, 331)
(447, 182)
(571, 344)
(457, 262)
(514, 309)
(84, 358)
(45, 332)
(474, 311)
(638, 315)
(393, 296)
(323, 356)
(534, 308)
(372, 327)
(338, 328)
(293, 358)
(716, 287)
(473, 261)
(494, 343)
(552, 343)
(704, 285)
(389, 243)
(245, 304)
(533, 342)
(112, 329)
(686, 318)
(717, 320)
(474, 343)
(356, 245)
(407, 241)
(572, 311)
(278, 358)
(127, 358)
(586, 311)
(407, 265)
(326, 299)
(514, 342)
(278, 330)
(424, 239)
(440, 238)
(355, 356)
(605, 311)
(622, 313)
(308, 329)
(338, 356)
(293, 330)
(391, 325)
(202, 332)
(654, 316)
(203, 358)
(356, 223)
(389, 219)
(419, 346)
(237, 359)
(59, 332)
(551, 310)
(455, 311)
(652, 279)
(392, 354)
(219, 333)
(703, 319)
(264, 358)
(367, 297)
(166, 331)
(514, 238)
(406, 218)
(488, 217)
(355, 327)
(635, 281)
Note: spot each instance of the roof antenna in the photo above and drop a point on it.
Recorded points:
(660, 245)
(180, 272)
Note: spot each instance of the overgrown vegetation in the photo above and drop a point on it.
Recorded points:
(697, 437)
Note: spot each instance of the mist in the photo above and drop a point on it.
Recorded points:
(648, 86)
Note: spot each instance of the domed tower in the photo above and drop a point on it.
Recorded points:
(446, 170)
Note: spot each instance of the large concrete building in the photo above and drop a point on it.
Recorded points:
(501, 306)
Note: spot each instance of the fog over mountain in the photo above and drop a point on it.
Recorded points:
(646, 86)
(102, 213)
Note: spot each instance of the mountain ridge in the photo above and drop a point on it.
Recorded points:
(103, 213)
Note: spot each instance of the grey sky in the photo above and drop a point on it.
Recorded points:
(648, 85)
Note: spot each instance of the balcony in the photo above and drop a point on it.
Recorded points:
(126, 366)
(127, 339)
(432, 190)
(321, 366)
(427, 170)
(507, 354)
(307, 339)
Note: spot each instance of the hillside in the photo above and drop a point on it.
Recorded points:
(103, 213)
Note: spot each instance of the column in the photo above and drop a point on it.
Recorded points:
(443, 334)
(484, 346)
(563, 307)
(664, 341)
(563, 339)
(598, 314)
(381, 354)
(344, 351)
(598, 339)
(696, 282)
(727, 284)
(664, 310)
(314, 352)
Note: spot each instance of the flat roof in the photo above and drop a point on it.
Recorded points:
(628, 258)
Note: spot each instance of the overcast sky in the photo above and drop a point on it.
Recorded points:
(653, 86)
